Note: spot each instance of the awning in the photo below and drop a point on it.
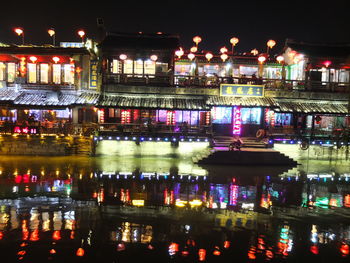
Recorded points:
(8, 94)
(241, 101)
(326, 107)
(154, 102)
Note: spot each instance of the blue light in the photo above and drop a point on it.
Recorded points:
(158, 139)
(166, 139)
(190, 140)
(126, 138)
(198, 140)
(142, 138)
(174, 139)
(110, 138)
(118, 138)
(206, 140)
(133, 138)
(150, 139)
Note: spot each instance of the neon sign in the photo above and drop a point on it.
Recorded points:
(25, 130)
(237, 121)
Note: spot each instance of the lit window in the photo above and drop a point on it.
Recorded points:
(2, 71)
(128, 67)
(11, 72)
(116, 66)
(56, 73)
(138, 67)
(150, 67)
(69, 73)
(31, 73)
(44, 73)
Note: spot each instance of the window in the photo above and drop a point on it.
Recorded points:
(56, 73)
(283, 119)
(116, 66)
(138, 67)
(150, 67)
(69, 73)
(44, 73)
(32, 73)
(251, 115)
(2, 71)
(11, 72)
(221, 115)
(128, 67)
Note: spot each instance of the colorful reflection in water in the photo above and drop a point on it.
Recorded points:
(62, 213)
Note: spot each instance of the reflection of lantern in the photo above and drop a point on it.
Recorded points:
(22, 66)
(201, 254)
(209, 56)
(327, 63)
(207, 118)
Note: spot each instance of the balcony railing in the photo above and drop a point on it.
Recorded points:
(215, 81)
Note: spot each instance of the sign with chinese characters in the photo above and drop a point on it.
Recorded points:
(93, 74)
(25, 130)
(239, 90)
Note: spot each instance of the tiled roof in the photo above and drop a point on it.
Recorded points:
(87, 98)
(159, 102)
(45, 99)
(332, 107)
(241, 101)
(8, 94)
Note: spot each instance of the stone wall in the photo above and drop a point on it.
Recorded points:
(45, 145)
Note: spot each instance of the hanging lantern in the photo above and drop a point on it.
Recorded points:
(56, 59)
(197, 40)
(191, 56)
(209, 56)
(179, 53)
(123, 57)
(280, 59)
(262, 59)
(271, 43)
(327, 63)
(254, 51)
(33, 59)
(194, 49)
(234, 41)
(224, 57)
(223, 50)
(154, 57)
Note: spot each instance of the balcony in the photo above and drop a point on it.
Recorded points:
(213, 82)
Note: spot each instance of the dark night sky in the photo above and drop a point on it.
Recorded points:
(253, 22)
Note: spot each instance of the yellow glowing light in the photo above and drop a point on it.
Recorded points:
(280, 59)
(191, 56)
(51, 32)
(123, 57)
(154, 57)
(224, 57)
(261, 59)
(81, 33)
(209, 56)
(194, 49)
(195, 202)
(179, 53)
(33, 59)
(138, 202)
(197, 40)
(180, 203)
(223, 50)
(18, 31)
(234, 41)
(271, 43)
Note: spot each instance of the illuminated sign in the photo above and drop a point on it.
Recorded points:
(25, 130)
(93, 74)
(72, 44)
(238, 90)
(237, 121)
